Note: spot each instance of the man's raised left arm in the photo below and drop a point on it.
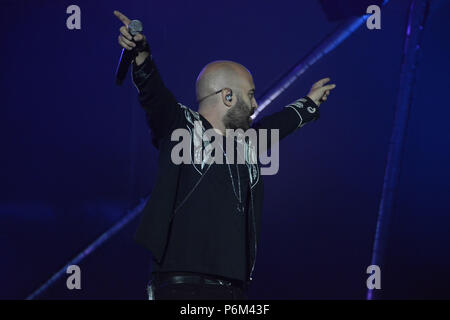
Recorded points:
(298, 113)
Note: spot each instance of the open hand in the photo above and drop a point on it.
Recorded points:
(319, 91)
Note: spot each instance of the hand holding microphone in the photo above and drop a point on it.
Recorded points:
(134, 45)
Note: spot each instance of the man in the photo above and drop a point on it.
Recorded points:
(202, 220)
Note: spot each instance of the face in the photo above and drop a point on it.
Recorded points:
(238, 116)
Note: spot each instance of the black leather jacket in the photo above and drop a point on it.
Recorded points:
(164, 114)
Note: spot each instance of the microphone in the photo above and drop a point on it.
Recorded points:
(127, 56)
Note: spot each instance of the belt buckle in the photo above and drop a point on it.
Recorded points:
(224, 283)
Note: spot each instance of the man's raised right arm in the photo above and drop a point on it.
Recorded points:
(162, 110)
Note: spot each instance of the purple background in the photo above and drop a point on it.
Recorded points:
(76, 151)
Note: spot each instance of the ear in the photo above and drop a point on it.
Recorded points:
(227, 97)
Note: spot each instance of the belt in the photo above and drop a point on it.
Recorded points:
(166, 279)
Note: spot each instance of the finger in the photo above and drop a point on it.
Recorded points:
(125, 33)
(139, 37)
(128, 42)
(327, 92)
(123, 44)
(321, 82)
(329, 87)
(122, 17)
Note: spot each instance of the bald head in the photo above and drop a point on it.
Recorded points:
(222, 74)
(225, 92)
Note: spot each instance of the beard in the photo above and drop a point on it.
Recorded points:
(238, 117)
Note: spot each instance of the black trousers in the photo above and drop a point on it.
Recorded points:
(161, 289)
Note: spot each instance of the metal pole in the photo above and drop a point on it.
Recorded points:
(328, 44)
(92, 247)
(418, 12)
